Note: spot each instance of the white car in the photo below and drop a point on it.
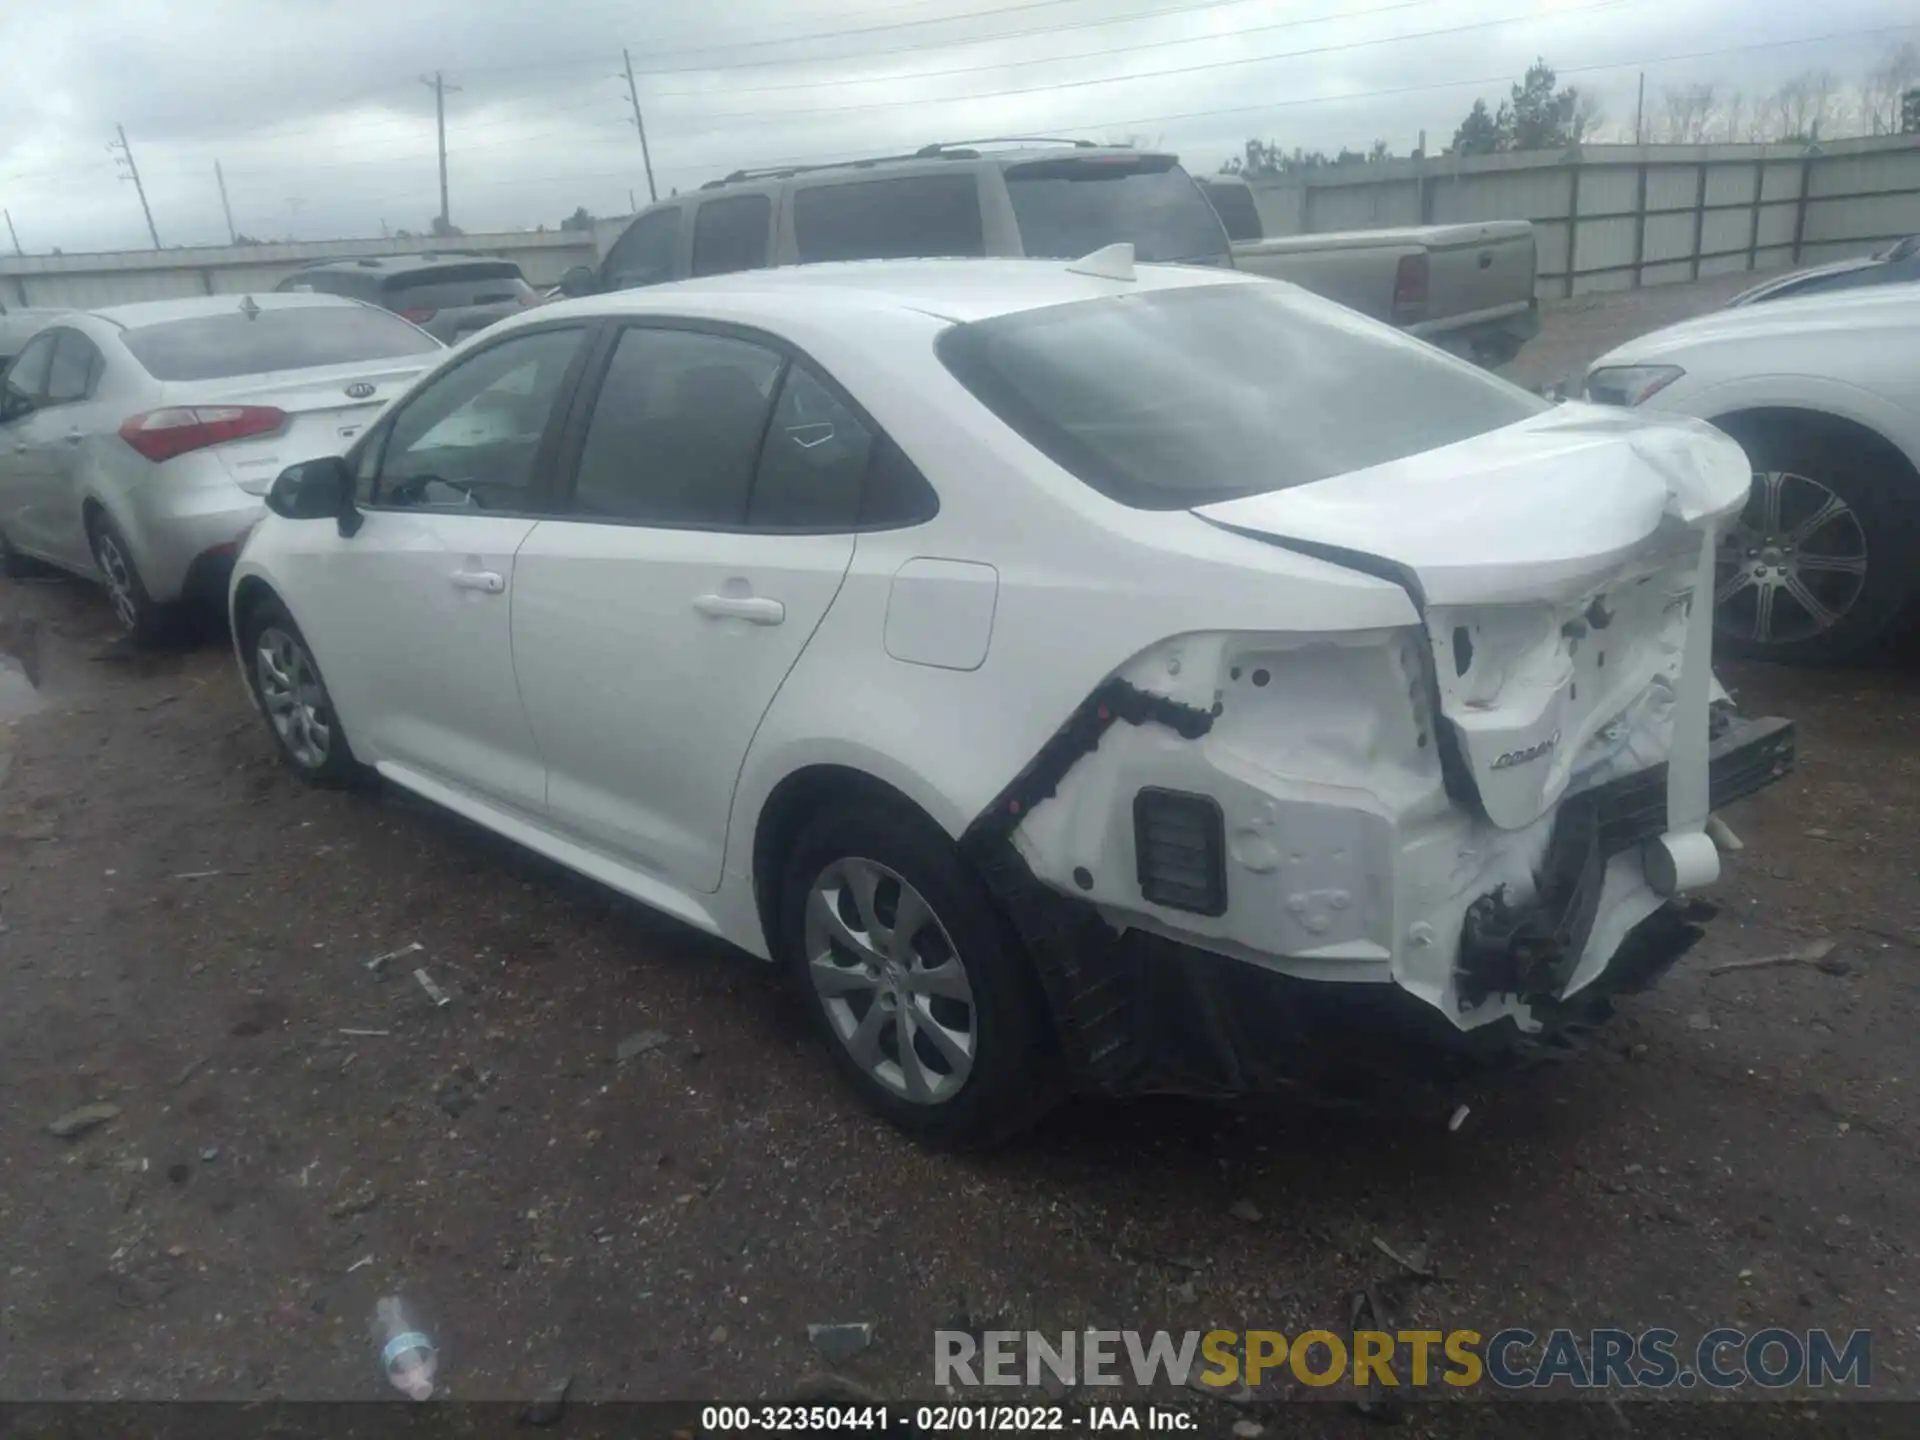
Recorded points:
(1824, 394)
(1157, 671)
(136, 441)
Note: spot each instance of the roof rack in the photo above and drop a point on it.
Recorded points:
(940, 150)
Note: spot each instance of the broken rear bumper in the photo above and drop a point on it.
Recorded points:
(1138, 1012)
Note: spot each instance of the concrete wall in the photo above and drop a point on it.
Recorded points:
(109, 279)
(1615, 217)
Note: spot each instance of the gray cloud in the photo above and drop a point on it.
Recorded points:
(317, 113)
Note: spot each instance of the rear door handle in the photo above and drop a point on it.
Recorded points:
(490, 581)
(752, 608)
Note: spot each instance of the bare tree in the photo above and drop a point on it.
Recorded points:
(1685, 113)
(1804, 102)
(1885, 83)
(1733, 117)
(1589, 114)
(1766, 121)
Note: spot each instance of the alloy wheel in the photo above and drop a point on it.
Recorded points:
(893, 986)
(1792, 565)
(117, 571)
(293, 697)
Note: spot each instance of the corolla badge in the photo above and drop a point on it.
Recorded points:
(1507, 759)
(359, 390)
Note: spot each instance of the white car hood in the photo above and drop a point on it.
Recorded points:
(1559, 566)
(1874, 307)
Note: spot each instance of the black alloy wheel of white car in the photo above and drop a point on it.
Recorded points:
(292, 696)
(1821, 561)
(926, 1002)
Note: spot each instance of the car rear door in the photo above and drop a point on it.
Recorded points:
(408, 617)
(654, 622)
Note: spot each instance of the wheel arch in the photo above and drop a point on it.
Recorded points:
(248, 593)
(1754, 420)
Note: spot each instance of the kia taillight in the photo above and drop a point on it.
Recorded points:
(162, 434)
(419, 314)
(1410, 287)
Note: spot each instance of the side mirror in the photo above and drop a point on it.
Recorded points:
(577, 281)
(315, 490)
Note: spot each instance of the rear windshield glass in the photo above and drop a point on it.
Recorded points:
(1234, 205)
(1181, 397)
(457, 286)
(1071, 207)
(212, 347)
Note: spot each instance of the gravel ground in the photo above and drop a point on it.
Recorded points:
(183, 935)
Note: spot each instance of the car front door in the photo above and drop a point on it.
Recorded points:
(408, 617)
(26, 450)
(655, 620)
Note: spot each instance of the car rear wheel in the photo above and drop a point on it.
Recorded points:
(292, 696)
(1820, 562)
(139, 615)
(929, 1008)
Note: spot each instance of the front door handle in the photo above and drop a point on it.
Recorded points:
(74, 437)
(490, 581)
(752, 608)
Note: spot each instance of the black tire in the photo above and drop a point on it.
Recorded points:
(1878, 528)
(1008, 1085)
(325, 759)
(145, 621)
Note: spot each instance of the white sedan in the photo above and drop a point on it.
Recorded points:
(136, 441)
(1824, 393)
(1157, 674)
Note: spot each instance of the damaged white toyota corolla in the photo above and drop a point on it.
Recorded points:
(1160, 677)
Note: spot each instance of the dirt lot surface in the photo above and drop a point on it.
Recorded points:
(184, 931)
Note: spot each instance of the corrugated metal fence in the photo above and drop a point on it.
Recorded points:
(1615, 217)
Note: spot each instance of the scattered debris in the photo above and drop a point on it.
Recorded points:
(439, 997)
(75, 1123)
(378, 964)
(1248, 1430)
(188, 1071)
(639, 1044)
(1413, 1259)
(1246, 1210)
(360, 1264)
(717, 1336)
(456, 1097)
(1459, 1116)
(1812, 953)
(361, 1198)
(372, 1034)
(407, 1355)
(210, 1154)
(202, 874)
(840, 1343)
(546, 1410)
(1816, 833)
(1699, 1020)
(1723, 837)
(1184, 1292)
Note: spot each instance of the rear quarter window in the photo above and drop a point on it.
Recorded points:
(213, 347)
(1184, 397)
(910, 217)
(731, 234)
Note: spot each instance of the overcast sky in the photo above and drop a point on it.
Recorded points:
(317, 111)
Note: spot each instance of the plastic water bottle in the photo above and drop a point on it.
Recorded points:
(405, 1351)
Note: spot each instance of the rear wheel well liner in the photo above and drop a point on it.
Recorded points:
(246, 595)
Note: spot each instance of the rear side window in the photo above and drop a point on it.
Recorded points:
(456, 287)
(815, 460)
(916, 215)
(731, 234)
(676, 429)
(1182, 397)
(645, 254)
(1234, 205)
(1072, 206)
(213, 347)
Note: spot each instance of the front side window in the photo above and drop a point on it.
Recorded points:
(471, 439)
(26, 382)
(676, 429)
(645, 254)
(913, 216)
(1075, 205)
(1183, 397)
(257, 340)
(75, 368)
(731, 234)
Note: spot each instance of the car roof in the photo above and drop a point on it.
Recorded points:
(158, 312)
(955, 290)
(929, 157)
(405, 264)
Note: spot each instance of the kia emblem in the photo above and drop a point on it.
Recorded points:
(359, 390)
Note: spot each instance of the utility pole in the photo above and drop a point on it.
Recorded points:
(15, 234)
(440, 87)
(133, 174)
(233, 236)
(1640, 113)
(633, 94)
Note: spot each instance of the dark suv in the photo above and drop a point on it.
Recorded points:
(1055, 198)
(448, 294)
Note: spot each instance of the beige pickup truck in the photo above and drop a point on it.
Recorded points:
(1466, 287)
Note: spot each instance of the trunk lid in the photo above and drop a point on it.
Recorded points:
(327, 407)
(1556, 564)
(1474, 268)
